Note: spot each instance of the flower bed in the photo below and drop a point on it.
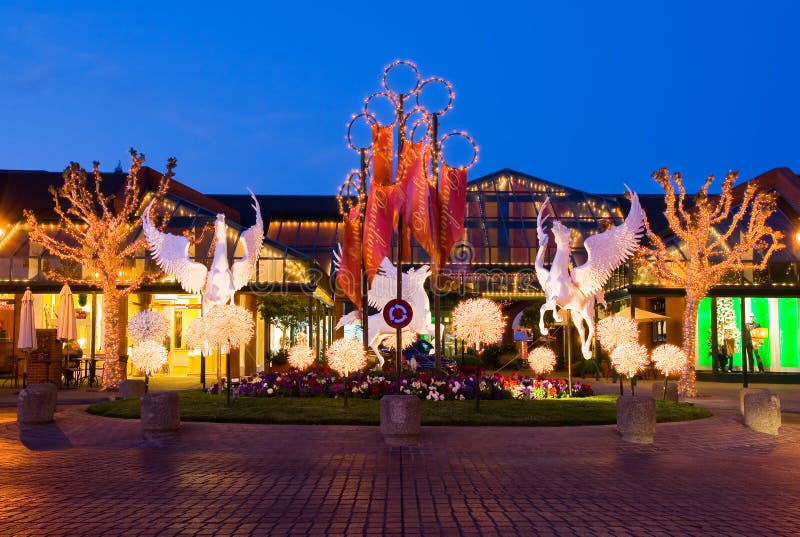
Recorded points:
(321, 382)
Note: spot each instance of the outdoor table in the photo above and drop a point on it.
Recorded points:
(90, 369)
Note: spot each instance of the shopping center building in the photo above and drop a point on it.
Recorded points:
(494, 259)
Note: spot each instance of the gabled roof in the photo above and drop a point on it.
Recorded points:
(508, 172)
(20, 189)
(282, 207)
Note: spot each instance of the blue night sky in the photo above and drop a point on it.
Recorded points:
(592, 95)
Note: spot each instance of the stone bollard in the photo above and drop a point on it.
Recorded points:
(160, 413)
(672, 391)
(762, 412)
(37, 403)
(401, 417)
(636, 418)
(131, 389)
(744, 391)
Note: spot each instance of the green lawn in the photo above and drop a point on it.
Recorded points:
(597, 410)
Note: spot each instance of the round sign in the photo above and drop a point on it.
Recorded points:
(397, 313)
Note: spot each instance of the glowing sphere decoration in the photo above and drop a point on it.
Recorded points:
(148, 324)
(669, 359)
(630, 358)
(408, 338)
(196, 335)
(301, 355)
(616, 330)
(229, 327)
(542, 360)
(346, 356)
(478, 321)
(148, 356)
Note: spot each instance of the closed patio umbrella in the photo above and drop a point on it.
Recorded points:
(66, 315)
(27, 330)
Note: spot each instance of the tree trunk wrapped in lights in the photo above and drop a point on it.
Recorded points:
(99, 232)
(718, 232)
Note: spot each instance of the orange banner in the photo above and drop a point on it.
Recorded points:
(452, 204)
(422, 208)
(348, 271)
(378, 225)
(381, 155)
(410, 175)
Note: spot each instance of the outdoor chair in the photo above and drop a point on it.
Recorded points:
(7, 378)
(71, 376)
(8, 371)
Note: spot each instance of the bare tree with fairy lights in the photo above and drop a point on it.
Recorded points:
(717, 233)
(99, 231)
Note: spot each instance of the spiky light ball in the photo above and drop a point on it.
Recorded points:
(301, 356)
(629, 358)
(196, 335)
(229, 327)
(148, 356)
(408, 338)
(346, 356)
(148, 324)
(669, 359)
(478, 321)
(542, 360)
(616, 330)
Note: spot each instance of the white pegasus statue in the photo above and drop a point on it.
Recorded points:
(217, 284)
(384, 289)
(579, 288)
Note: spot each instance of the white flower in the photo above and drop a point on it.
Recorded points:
(148, 356)
(270, 391)
(148, 325)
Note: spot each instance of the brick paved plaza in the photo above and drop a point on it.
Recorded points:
(86, 475)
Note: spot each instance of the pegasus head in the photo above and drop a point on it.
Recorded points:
(220, 228)
(560, 233)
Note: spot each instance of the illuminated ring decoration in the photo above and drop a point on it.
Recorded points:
(397, 313)
(350, 189)
(417, 124)
(469, 139)
(370, 120)
(374, 116)
(398, 63)
(450, 94)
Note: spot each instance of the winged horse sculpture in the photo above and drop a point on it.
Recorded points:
(384, 289)
(578, 289)
(218, 284)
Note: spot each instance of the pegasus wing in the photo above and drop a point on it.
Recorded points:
(608, 250)
(171, 252)
(252, 238)
(384, 285)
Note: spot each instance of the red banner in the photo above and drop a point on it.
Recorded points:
(452, 204)
(381, 155)
(378, 225)
(422, 210)
(348, 271)
(410, 176)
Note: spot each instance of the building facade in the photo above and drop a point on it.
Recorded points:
(494, 258)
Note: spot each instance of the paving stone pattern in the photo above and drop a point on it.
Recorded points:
(85, 475)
